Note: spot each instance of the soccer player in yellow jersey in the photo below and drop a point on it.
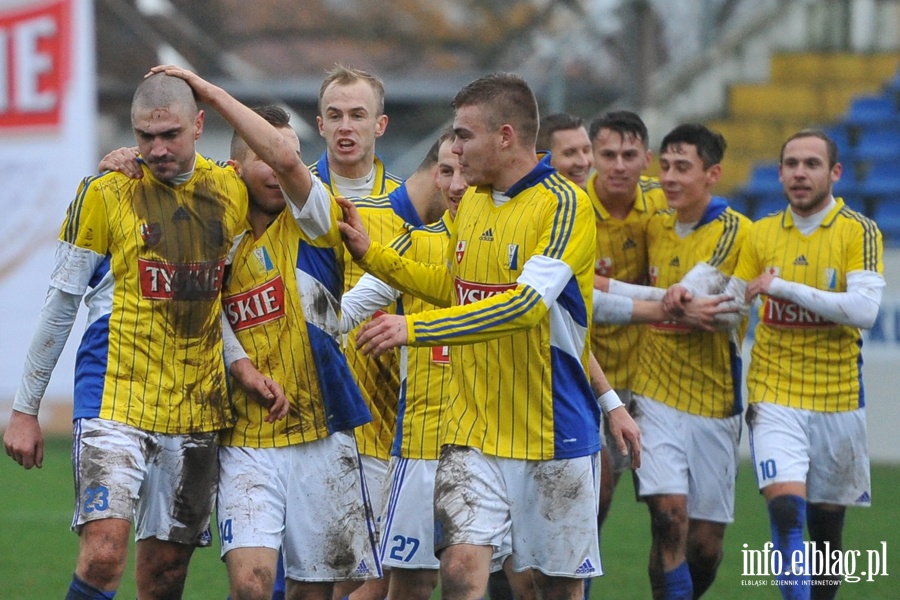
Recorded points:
(687, 387)
(623, 203)
(407, 525)
(817, 266)
(565, 137)
(150, 384)
(522, 423)
(351, 118)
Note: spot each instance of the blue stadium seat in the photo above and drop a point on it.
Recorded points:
(887, 215)
(872, 110)
(878, 142)
(843, 137)
(740, 202)
(881, 178)
(769, 203)
(763, 180)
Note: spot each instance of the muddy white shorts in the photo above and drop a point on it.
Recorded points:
(545, 510)
(307, 498)
(164, 484)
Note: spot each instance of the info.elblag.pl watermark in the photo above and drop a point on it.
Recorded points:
(816, 561)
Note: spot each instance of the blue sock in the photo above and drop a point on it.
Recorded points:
(678, 583)
(81, 590)
(787, 517)
(587, 587)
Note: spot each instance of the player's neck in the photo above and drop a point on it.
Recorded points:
(618, 206)
(423, 196)
(517, 166)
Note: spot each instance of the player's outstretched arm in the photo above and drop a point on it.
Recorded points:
(262, 137)
(24, 441)
(625, 431)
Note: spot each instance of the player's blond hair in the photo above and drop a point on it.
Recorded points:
(342, 75)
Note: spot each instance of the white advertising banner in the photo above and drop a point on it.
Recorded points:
(47, 145)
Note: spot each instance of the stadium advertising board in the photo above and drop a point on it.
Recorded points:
(47, 144)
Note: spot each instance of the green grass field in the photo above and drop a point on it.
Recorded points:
(38, 550)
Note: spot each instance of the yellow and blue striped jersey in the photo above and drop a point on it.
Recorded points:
(622, 255)
(424, 371)
(698, 372)
(520, 284)
(384, 217)
(384, 182)
(282, 299)
(800, 359)
(151, 355)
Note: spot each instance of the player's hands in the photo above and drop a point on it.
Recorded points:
(675, 300)
(203, 90)
(123, 160)
(353, 232)
(626, 433)
(702, 313)
(381, 334)
(24, 441)
(758, 286)
(262, 389)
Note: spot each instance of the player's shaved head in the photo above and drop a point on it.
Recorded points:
(162, 91)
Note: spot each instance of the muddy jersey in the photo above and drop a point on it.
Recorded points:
(152, 256)
(520, 284)
(282, 299)
(698, 372)
(622, 255)
(799, 359)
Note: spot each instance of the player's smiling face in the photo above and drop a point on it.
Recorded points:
(166, 139)
(350, 122)
(619, 161)
(806, 175)
(571, 154)
(449, 177)
(477, 145)
(685, 181)
(265, 193)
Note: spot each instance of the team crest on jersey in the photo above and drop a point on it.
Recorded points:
(151, 233)
(512, 256)
(460, 250)
(468, 292)
(259, 305)
(654, 275)
(262, 256)
(831, 278)
(440, 355)
(775, 271)
(604, 266)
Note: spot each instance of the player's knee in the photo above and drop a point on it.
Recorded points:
(785, 513)
(256, 585)
(668, 525)
(102, 565)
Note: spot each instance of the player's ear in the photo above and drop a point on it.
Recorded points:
(198, 124)
(236, 165)
(712, 174)
(380, 125)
